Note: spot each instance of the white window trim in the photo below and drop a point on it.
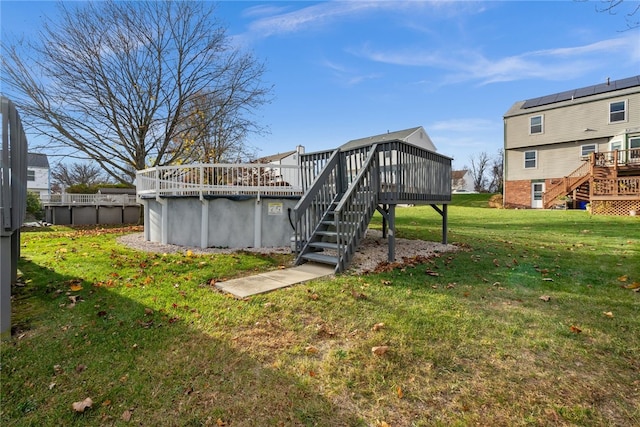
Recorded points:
(524, 164)
(584, 156)
(541, 124)
(626, 111)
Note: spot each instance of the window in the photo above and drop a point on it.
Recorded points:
(587, 149)
(634, 149)
(530, 159)
(535, 125)
(31, 175)
(618, 111)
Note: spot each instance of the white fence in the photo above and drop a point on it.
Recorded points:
(219, 180)
(88, 200)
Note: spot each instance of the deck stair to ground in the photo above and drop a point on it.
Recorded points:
(343, 188)
(567, 185)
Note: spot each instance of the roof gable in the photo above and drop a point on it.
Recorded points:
(412, 135)
(275, 157)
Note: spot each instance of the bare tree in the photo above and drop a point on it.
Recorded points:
(87, 174)
(111, 81)
(629, 9)
(214, 131)
(479, 165)
(496, 173)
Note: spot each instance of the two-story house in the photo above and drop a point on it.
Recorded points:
(581, 145)
(38, 173)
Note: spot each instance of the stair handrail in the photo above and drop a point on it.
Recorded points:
(356, 207)
(313, 205)
(568, 183)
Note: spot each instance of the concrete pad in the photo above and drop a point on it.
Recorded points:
(265, 282)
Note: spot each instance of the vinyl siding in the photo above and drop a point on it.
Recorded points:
(568, 120)
(553, 161)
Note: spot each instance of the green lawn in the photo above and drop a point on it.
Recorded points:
(533, 321)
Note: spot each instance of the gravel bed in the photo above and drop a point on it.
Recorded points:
(372, 251)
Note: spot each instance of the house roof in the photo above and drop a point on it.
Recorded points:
(34, 160)
(401, 135)
(275, 157)
(609, 86)
(37, 160)
(458, 174)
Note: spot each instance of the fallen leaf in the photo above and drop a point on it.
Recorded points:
(607, 313)
(623, 278)
(80, 368)
(75, 287)
(220, 423)
(311, 349)
(400, 393)
(314, 297)
(575, 329)
(545, 298)
(634, 285)
(383, 424)
(189, 253)
(126, 416)
(378, 326)
(547, 279)
(81, 406)
(379, 350)
(51, 386)
(106, 402)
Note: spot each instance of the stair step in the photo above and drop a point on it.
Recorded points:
(324, 259)
(324, 245)
(326, 233)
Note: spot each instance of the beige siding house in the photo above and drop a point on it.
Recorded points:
(558, 146)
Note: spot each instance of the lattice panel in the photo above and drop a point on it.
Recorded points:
(618, 207)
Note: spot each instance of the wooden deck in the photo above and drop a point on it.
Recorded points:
(610, 181)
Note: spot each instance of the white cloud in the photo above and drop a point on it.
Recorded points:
(549, 64)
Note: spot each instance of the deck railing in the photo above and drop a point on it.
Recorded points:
(620, 187)
(219, 180)
(412, 174)
(629, 157)
(88, 200)
(314, 206)
(353, 213)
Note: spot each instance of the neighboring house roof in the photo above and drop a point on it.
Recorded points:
(34, 160)
(275, 157)
(459, 174)
(117, 190)
(37, 160)
(402, 135)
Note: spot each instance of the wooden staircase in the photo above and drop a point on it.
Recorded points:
(337, 212)
(576, 179)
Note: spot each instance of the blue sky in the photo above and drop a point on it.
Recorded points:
(348, 69)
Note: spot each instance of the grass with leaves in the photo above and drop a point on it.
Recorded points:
(533, 321)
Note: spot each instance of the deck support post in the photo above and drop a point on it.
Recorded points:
(204, 223)
(388, 213)
(443, 213)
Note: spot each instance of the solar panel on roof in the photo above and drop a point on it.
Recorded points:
(582, 92)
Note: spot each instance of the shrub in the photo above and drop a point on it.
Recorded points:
(34, 207)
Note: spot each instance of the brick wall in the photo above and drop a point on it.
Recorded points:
(517, 194)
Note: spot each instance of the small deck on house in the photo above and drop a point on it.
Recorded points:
(609, 181)
(337, 193)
